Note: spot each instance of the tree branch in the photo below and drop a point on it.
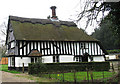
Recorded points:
(92, 13)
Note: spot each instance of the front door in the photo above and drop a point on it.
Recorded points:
(32, 59)
(85, 57)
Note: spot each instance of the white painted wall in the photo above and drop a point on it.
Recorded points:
(110, 57)
(8, 61)
(66, 58)
(98, 58)
(46, 59)
(19, 61)
(49, 59)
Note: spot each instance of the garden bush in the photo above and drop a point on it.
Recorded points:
(34, 68)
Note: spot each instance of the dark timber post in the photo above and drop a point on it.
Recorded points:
(74, 77)
(63, 76)
(87, 73)
(26, 47)
(118, 71)
(103, 76)
(112, 67)
(14, 61)
(18, 48)
(23, 67)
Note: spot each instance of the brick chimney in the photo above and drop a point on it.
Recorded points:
(53, 12)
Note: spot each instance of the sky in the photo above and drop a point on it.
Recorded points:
(66, 11)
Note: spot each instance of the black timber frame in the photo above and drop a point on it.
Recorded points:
(61, 48)
(64, 49)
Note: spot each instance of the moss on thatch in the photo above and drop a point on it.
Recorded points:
(51, 32)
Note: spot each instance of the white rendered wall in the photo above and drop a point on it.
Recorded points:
(111, 56)
(66, 58)
(62, 58)
(98, 58)
(19, 62)
(47, 59)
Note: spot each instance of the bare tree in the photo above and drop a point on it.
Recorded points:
(4, 29)
(3, 34)
(93, 11)
(3, 50)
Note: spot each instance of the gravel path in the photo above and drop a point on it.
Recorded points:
(9, 77)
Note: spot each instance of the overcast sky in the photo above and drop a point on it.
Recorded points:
(66, 10)
(38, 8)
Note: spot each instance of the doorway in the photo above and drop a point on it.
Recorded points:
(85, 57)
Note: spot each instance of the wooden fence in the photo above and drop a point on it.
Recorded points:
(86, 76)
(4, 60)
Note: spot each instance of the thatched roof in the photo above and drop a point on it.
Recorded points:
(46, 30)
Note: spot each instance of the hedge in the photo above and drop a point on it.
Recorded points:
(114, 51)
(35, 68)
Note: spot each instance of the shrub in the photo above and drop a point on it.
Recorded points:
(39, 67)
(114, 51)
(34, 68)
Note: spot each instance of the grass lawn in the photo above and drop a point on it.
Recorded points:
(80, 76)
(31, 77)
(5, 68)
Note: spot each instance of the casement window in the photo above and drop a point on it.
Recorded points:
(55, 58)
(34, 59)
(77, 59)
